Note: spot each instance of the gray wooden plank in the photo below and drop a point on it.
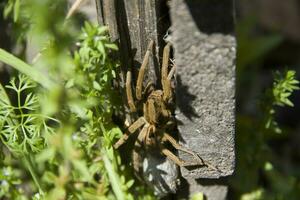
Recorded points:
(205, 51)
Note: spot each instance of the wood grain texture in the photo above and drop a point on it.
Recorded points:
(205, 59)
(205, 52)
(132, 24)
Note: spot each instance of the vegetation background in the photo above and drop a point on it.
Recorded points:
(56, 126)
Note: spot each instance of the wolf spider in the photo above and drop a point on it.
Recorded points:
(157, 115)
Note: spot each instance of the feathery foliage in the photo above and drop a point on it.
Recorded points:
(61, 134)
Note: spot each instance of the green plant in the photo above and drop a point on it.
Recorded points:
(60, 114)
(283, 87)
(12, 7)
(264, 169)
(23, 128)
(256, 160)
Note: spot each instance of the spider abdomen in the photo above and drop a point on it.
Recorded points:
(155, 109)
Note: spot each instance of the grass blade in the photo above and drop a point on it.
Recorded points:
(25, 68)
(113, 177)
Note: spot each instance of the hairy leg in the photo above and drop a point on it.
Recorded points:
(166, 84)
(129, 92)
(171, 73)
(165, 62)
(173, 157)
(150, 139)
(137, 151)
(140, 79)
(176, 145)
(177, 160)
(131, 129)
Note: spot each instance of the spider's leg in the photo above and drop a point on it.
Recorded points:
(129, 92)
(171, 73)
(140, 78)
(176, 145)
(166, 84)
(177, 160)
(149, 88)
(131, 129)
(137, 160)
(165, 62)
(150, 139)
(173, 157)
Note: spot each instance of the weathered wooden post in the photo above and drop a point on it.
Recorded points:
(204, 50)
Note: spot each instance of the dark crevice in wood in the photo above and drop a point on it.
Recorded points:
(99, 9)
(142, 27)
(124, 36)
(163, 24)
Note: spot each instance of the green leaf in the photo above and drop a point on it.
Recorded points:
(96, 86)
(102, 29)
(26, 69)
(288, 102)
(3, 95)
(49, 177)
(81, 167)
(113, 177)
(101, 48)
(70, 83)
(8, 8)
(198, 196)
(46, 155)
(16, 10)
(111, 46)
(130, 183)
(254, 195)
(56, 193)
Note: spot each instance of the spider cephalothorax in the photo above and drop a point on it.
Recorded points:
(157, 114)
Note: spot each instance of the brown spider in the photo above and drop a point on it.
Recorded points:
(156, 114)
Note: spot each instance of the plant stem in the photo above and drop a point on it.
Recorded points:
(29, 166)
